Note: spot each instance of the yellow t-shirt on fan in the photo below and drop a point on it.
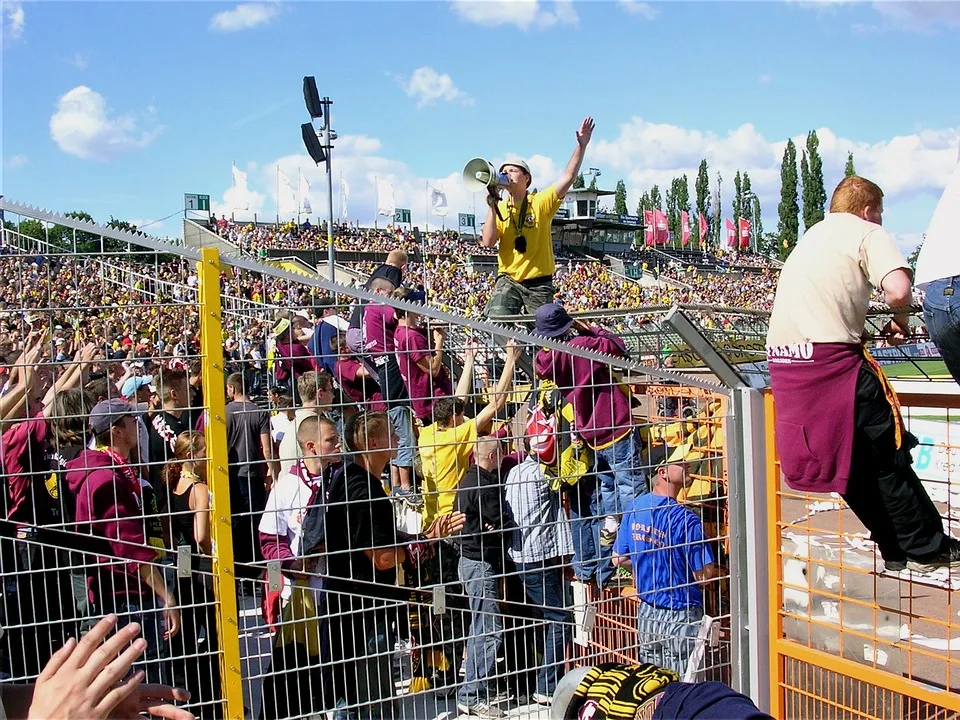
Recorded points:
(537, 261)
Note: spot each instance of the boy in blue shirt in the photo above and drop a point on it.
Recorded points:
(664, 544)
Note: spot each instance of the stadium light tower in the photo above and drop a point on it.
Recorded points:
(319, 143)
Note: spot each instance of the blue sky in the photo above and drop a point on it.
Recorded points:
(120, 108)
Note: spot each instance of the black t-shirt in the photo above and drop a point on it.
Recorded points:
(163, 431)
(359, 518)
(480, 499)
(246, 422)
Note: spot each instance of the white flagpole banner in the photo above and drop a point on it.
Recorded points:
(344, 197)
(438, 201)
(240, 191)
(386, 204)
(286, 195)
(306, 203)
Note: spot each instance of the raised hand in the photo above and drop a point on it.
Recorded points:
(585, 132)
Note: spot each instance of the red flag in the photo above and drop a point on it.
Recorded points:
(703, 230)
(745, 230)
(648, 227)
(731, 233)
(662, 234)
(684, 227)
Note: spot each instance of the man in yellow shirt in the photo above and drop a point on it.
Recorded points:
(525, 263)
(446, 444)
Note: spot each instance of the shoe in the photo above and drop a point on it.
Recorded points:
(541, 698)
(948, 557)
(894, 566)
(480, 709)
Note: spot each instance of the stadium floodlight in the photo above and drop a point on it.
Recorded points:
(311, 97)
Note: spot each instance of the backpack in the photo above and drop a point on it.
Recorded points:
(554, 442)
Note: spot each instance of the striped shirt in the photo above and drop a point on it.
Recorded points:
(542, 531)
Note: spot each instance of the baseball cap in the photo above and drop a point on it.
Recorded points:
(132, 384)
(107, 413)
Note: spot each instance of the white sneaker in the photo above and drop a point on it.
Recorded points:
(541, 699)
(481, 710)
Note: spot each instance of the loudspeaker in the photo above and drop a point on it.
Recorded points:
(312, 143)
(480, 174)
(311, 97)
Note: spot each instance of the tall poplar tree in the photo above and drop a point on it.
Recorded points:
(788, 227)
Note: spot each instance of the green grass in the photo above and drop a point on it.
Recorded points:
(908, 369)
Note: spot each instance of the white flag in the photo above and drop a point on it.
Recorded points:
(306, 205)
(344, 197)
(386, 204)
(240, 191)
(438, 201)
(286, 195)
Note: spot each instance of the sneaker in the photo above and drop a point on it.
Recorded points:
(541, 698)
(948, 557)
(894, 566)
(480, 709)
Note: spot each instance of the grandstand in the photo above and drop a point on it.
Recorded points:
(799, 616)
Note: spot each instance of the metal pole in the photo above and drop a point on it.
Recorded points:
(330, 253)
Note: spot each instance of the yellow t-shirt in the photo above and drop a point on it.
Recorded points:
(445, 457)
(537, 261)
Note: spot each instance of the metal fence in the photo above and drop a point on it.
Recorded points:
(306, 535)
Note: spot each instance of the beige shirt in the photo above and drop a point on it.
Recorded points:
(825, 285)
(289, 447)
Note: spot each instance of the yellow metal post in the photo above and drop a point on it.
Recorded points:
(225, 586)
(775, 566)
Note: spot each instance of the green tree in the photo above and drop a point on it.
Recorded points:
(593, 182)
(703, 198)
(788, 227)
(912, 257)
(737, 199)
(673, 215)
(620, 199)
(656, 201)
(814, 194)
(804, 185)
(677, 203)
(849, 170)
(33, 228)
(718, 212)
(578, 183)
(121, 225)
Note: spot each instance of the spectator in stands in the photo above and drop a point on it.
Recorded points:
(167, 425)
(292, 332)
(664, 545)
(938, 275)
(109, 507)
(391, 271)
(837, 428)
(446, 444)
(316, 395)
(523, 236)
(356, 378)
(601, 405)
(538, 547)
(325, 341)
(480, 499)
(423, 371)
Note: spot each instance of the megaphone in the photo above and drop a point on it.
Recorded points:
(480, 175)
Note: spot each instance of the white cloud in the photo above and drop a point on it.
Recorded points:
(15, 162)
(645, 153)
(244, 16)
(640, 9)
(78, 61)
(912, 15)
(14, 19)
(426, 86)
(83, 125)
(522, 13)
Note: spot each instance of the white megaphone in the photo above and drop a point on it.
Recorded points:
(480, 175)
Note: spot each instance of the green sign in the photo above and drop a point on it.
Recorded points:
(402, 215)
(467, 220)
(196, 202)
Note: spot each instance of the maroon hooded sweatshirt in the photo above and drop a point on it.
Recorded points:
(109, 506)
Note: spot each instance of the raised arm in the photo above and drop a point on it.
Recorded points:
(465, 384)
(576, 160)
(490, 235)
(499, 399)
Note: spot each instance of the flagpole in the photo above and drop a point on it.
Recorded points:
(376, 200)
(298, 196)
(426, 203)
(278, 196)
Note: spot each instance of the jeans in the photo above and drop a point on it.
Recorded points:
(402, 420)
(148, 612)
(621, 479)
(668, 637)
(941, 313)
(590, 559)
(486, 629)
(546, 588)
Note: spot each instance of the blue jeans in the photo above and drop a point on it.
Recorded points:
(486, 629)
(668, 637)
(590, 559)
(941, 313)
(402, 420)
(621, 479)
(148, 612)
(546, 589)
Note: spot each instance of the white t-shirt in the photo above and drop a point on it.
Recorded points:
(940, 255)
(824, 290)
(286, 509)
